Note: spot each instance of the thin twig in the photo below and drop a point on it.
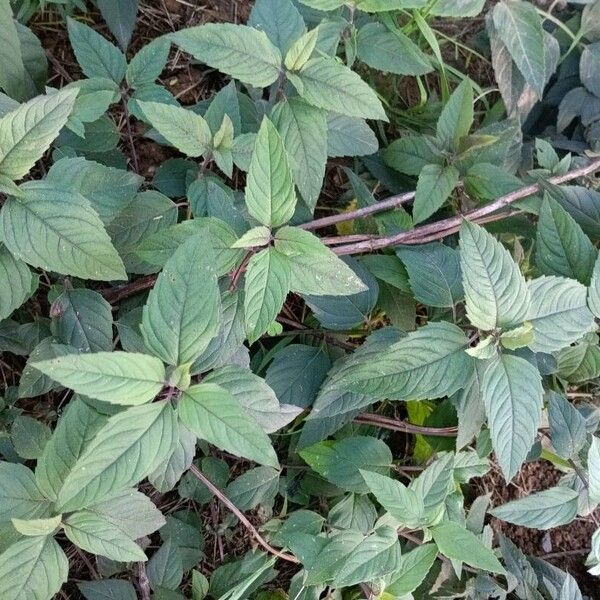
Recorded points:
(388, 203)
(143, 582)
(444, 227)
(396, 425)
(240, 515)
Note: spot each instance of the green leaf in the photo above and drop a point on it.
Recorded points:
(315, 268)
(169, 472)
(520, 29)
(96, 56)
(434, 273)
(403, 504)
(579, 363)
(21, 281)
(434, 186)
(561, 246)
(593, 297)
(145, 67)
(254, 487)
(266, 287)
(182, 128)
(593, 460)
(457, 543)
(27, 132)
(20, 497)
(518, 337)
(303, 130)
(124, 451)
(120, 16)
(115, 377)
(376, 556)
(74, 431)
(567, 426)
(35, 527)
(327, 83)
(131, 511)
(92, 533)
(390, 51)
(257, 237)
(59, 231)
(270, 194)
(543, 510)
(82, 319)
(435, 483)
(107, 589)
(297, 372)
(182, 313)
(301, 50)
(512, 391)
(107, 189)
(215, 416)
(412, 570)
(237, 50)
(411, 154)
(280, 20)
(495, 290)
(29, 436)
(457, 116)
(13, 78)
(34, 568)
(428, 363)
(342, 461)
(558, 313)
(349, 136)
(165, 569)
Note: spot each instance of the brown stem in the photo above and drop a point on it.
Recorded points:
(240, 515)
(388, 203)
(396, 425)
(143, 582)
(115, 294)
(447, 226)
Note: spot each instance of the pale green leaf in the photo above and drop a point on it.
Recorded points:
(315, 268)
(390, 51)
(349, 136)
(20, 496)
(303, 129)
(579, 363)
(270, 194)
(518, 337)
(558, 313)
(280, 20)
(327, 83)
(169, 472)
(74, 431)
(434, 186)
(495, 290)
(300, 52)
(237, 50)
(34, 568)
(182, 128)
(412, 570)
(82, 319)
(404, 504)
(520, 29)
(19, 282)
(145, 67)
(182, 313)
(96, 56)
(27, 132)
(92, 533)
(342, 461)
(457, 116)
(124, 451)
(256, 237)
(512, 391)
(13, 76)
(567, 426)
(115, 377)
(428, 363)
(35, 527)
(457, 543)
(561, 246)
(215, 416)
(266, 287)
(542, 510)
(594, 470)
(593, 298)
(29, 436)
(58, 230)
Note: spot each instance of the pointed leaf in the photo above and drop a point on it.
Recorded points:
(21, 279)
(434, 186)
(115, 377)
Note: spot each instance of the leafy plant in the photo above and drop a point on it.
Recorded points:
(454, 301)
